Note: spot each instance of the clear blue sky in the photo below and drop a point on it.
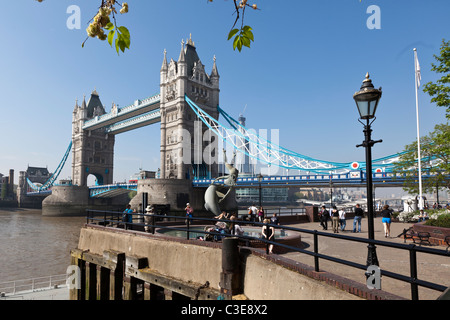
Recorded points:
(308, 59)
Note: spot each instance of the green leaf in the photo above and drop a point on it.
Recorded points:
(121, 42)
(124, 31)
(117, 45)
(111, 37)
(232, 33)
(109, 26)
(249, 34)
(235, 42)
(246, 41)
(239, 44)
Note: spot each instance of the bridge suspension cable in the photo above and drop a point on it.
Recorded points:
(261, 149)
(49, 183)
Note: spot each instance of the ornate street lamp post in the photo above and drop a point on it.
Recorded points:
(260, 177)
(367, 99)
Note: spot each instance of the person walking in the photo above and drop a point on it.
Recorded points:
(335, 219)
(342, 220)
(323, 217)
(386, 215)
(358, 216)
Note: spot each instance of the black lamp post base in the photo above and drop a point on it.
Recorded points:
(372, 259)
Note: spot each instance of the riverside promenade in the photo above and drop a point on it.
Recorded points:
(430, 268)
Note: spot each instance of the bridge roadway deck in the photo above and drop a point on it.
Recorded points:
(431, 268)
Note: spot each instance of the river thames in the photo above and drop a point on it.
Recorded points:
(35, 246)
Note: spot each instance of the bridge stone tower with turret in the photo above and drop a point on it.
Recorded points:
(92, 151)
(183, 153)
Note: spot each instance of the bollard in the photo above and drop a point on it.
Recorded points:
(230, 277)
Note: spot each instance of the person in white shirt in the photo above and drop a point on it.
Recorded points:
(342, 221)
(254, 211)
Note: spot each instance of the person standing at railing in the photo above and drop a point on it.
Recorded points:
(357, 219)
(127, 216)
(189, 212)
(252, 212)
(148, 217)
(261, 214)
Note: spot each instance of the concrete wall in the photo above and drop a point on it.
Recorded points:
(202, 261)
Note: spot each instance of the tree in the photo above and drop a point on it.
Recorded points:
(103, 28)
(440, 91)
(435, 160)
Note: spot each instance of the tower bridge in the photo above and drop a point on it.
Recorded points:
(187, 110)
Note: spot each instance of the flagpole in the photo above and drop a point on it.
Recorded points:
(417, 74)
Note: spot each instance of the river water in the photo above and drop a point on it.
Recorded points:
(32, 245)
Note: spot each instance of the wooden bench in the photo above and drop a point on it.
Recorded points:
(420, 236)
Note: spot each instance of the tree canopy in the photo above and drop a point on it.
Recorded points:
(435, 161)
(440, 91)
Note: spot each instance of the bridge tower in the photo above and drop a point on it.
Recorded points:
(186, 151)
(92, 151)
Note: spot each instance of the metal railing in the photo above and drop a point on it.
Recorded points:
(32, 285)
(152, 224)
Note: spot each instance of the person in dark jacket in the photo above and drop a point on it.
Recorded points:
(386, 215)
(357, 219)
(323, 217)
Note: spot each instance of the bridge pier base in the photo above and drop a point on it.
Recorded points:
(74, 201)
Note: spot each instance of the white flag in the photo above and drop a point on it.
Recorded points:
(419, 77)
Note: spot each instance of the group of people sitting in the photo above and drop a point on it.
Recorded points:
(221, 228)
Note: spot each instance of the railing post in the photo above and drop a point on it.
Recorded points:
(153, 224)
(316, 251)
(413, 271)
(267, 239)
(187, 223)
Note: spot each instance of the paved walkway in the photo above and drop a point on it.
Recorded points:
(431, 268)
(61, 293)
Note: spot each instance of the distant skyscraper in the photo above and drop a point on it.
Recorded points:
(242, 158)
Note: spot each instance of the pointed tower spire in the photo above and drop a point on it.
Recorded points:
(182, 64)
(164, 64)
(214, 72)
(182, 57)
(83, 104)
(75, 110)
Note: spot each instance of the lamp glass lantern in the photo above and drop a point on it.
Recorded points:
(367, 99)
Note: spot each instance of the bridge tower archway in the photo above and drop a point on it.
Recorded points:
(182, 138)
(93, 150)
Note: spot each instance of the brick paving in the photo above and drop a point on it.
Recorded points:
(431, 268)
